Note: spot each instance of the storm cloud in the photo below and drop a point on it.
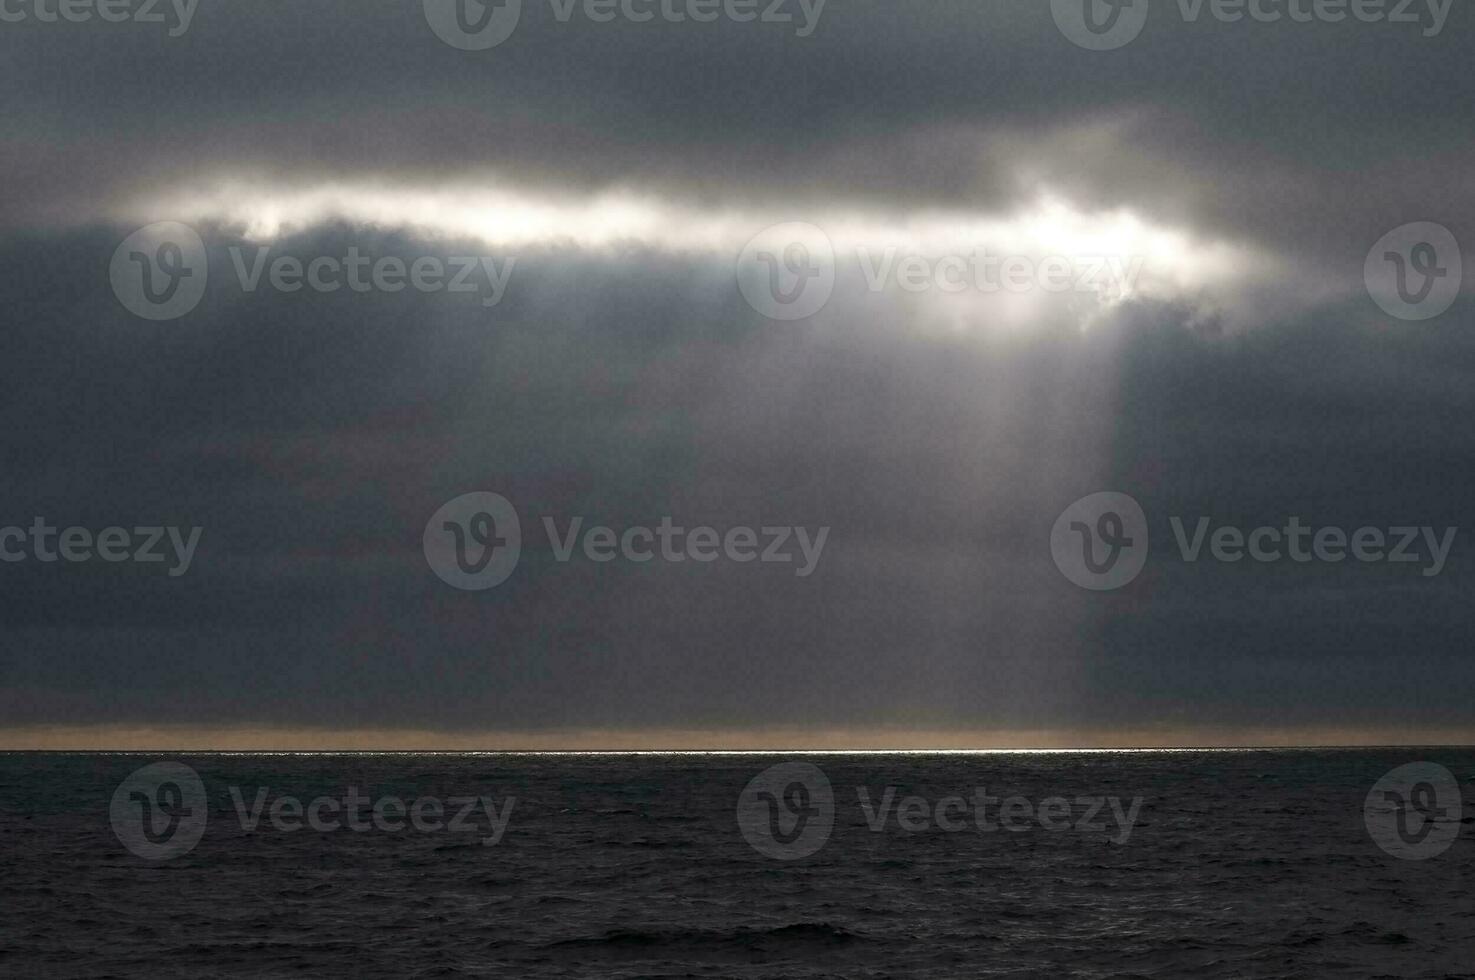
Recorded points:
(622, 377)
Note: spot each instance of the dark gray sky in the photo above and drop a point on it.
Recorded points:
(312, 435)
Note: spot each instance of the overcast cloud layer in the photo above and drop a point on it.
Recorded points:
(313, 434)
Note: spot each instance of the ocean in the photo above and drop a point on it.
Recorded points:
(1204, 864)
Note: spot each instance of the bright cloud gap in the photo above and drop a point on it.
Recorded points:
(1168, 263)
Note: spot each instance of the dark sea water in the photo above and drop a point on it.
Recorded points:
(1240, 864)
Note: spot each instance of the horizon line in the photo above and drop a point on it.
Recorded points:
(754, 752)
(787, 740)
